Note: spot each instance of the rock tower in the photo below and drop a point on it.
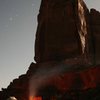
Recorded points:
(67, 55)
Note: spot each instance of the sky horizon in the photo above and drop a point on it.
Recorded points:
(18, 24)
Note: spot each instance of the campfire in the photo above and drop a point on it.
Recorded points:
(35, 98)
(41, 98)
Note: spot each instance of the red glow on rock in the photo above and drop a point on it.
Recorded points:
(37, 98)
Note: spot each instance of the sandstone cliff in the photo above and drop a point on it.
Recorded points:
(66, 53)
(62, 30)
(95, 30)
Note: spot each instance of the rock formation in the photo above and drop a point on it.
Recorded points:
(62, 30)
(95, 30)
(66, 53)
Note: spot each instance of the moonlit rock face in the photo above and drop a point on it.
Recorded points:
(83, 28)
(11, 98)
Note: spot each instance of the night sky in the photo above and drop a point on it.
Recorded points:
(18, 23)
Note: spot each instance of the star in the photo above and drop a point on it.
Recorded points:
(10, 18)
(16, 15)
(32, 4)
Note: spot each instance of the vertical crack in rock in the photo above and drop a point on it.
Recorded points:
(83, 28)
